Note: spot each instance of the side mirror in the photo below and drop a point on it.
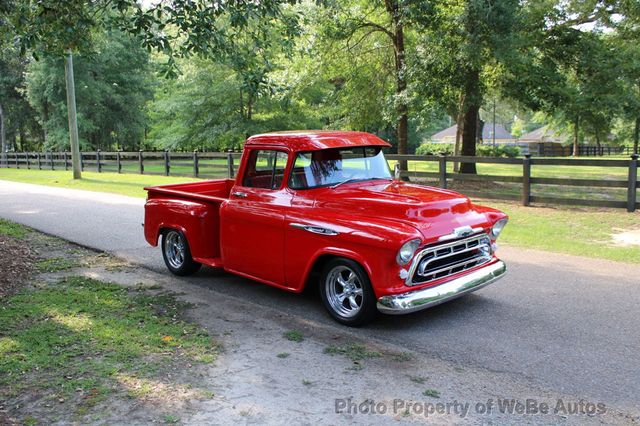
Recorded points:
(396, 172)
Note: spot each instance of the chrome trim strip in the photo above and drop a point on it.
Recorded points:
(432, 248)
(412, 301)
(314, 229)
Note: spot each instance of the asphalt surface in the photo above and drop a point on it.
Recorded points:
(563, 323)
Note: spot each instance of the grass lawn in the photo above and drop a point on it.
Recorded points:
(581, 231)
(69, 342)
(125, 184)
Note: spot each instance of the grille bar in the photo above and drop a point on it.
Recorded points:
(442, 260)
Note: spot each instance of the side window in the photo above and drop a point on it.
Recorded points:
(265, 169)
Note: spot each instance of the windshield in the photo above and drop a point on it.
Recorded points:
(334, 166)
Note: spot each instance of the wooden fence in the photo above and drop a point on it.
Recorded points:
(523, 186)
(525, 181)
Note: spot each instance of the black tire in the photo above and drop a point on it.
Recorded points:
(339, 298)
(177, 254)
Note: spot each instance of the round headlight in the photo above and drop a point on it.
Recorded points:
(498, 227)
(406, 251)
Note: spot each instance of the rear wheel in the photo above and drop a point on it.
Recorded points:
(176, 253)
(346, 292)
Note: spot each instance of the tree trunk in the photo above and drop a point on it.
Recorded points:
(402, 130)
(250, 107)
(469, 138)
(598, 144)
(73, 118)
(636, 136)
(458, 145)
(576, 128)
(473, 101)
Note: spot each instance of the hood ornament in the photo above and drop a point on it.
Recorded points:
(460, 232)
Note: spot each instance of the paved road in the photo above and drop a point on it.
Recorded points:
(563, 323)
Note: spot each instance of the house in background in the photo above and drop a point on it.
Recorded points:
(502, 135)
(544, 141)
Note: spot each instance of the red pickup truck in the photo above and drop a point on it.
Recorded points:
(321, 208)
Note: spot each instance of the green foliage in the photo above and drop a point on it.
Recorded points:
(435, 149)
(113, 85)
(498, 151)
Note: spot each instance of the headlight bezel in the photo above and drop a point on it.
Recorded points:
(498, 227)
(409, 248)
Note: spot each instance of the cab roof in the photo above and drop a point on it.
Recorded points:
(312, 140)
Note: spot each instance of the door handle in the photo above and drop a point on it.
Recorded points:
(239, 194)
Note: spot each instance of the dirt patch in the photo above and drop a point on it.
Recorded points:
(16, 260)
(627, 238)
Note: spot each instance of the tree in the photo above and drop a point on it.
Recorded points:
(378, 30)
(461, 47)
(114, 83)
(64, 26)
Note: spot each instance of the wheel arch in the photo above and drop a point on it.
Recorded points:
(321, 258)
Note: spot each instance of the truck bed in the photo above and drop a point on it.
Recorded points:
(209, 190)
(193, 208)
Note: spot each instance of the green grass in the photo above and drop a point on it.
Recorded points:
(55, 264)
(355, 352)
(583, 232)
(124, 184)
(432, 393)
(13, 230)
(83, 334)
(293, 335)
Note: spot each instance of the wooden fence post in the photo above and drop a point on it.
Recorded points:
(166, 162)
(119, 160)
(15, 155)
(196, 168)
(526, 180)
(66, 160)
(26, 157)
(39, 161)
(51, 163)
(81, 162)
(230, 171)
(633, 183)
(140, 162)
(442, 164)
(98, 162)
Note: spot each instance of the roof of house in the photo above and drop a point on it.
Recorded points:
(543, 134)
(311, 140)
(487, 130)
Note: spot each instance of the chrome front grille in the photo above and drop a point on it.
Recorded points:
(442, 260)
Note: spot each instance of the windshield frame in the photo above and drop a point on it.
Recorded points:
(337, 184)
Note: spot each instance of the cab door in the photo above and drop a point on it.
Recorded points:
(252, 221)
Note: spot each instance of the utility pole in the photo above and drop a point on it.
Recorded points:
(3, 140)
(73, 117)
(494, 123)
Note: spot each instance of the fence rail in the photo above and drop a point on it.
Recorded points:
(522, 184)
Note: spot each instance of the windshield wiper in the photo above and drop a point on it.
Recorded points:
(356, 180)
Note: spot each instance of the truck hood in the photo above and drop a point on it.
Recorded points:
(432, 211)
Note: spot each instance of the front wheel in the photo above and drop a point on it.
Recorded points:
(177, 255)
(346, 292)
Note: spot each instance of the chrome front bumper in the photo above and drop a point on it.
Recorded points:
(412, 301)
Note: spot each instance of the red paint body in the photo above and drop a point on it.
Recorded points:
(252, 236)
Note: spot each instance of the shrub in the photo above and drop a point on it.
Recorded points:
(435, 149)
(510, 151)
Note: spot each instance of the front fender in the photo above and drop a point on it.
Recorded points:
(372, 242)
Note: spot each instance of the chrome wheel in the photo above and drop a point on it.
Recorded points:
(174, 248)
(344, 291)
